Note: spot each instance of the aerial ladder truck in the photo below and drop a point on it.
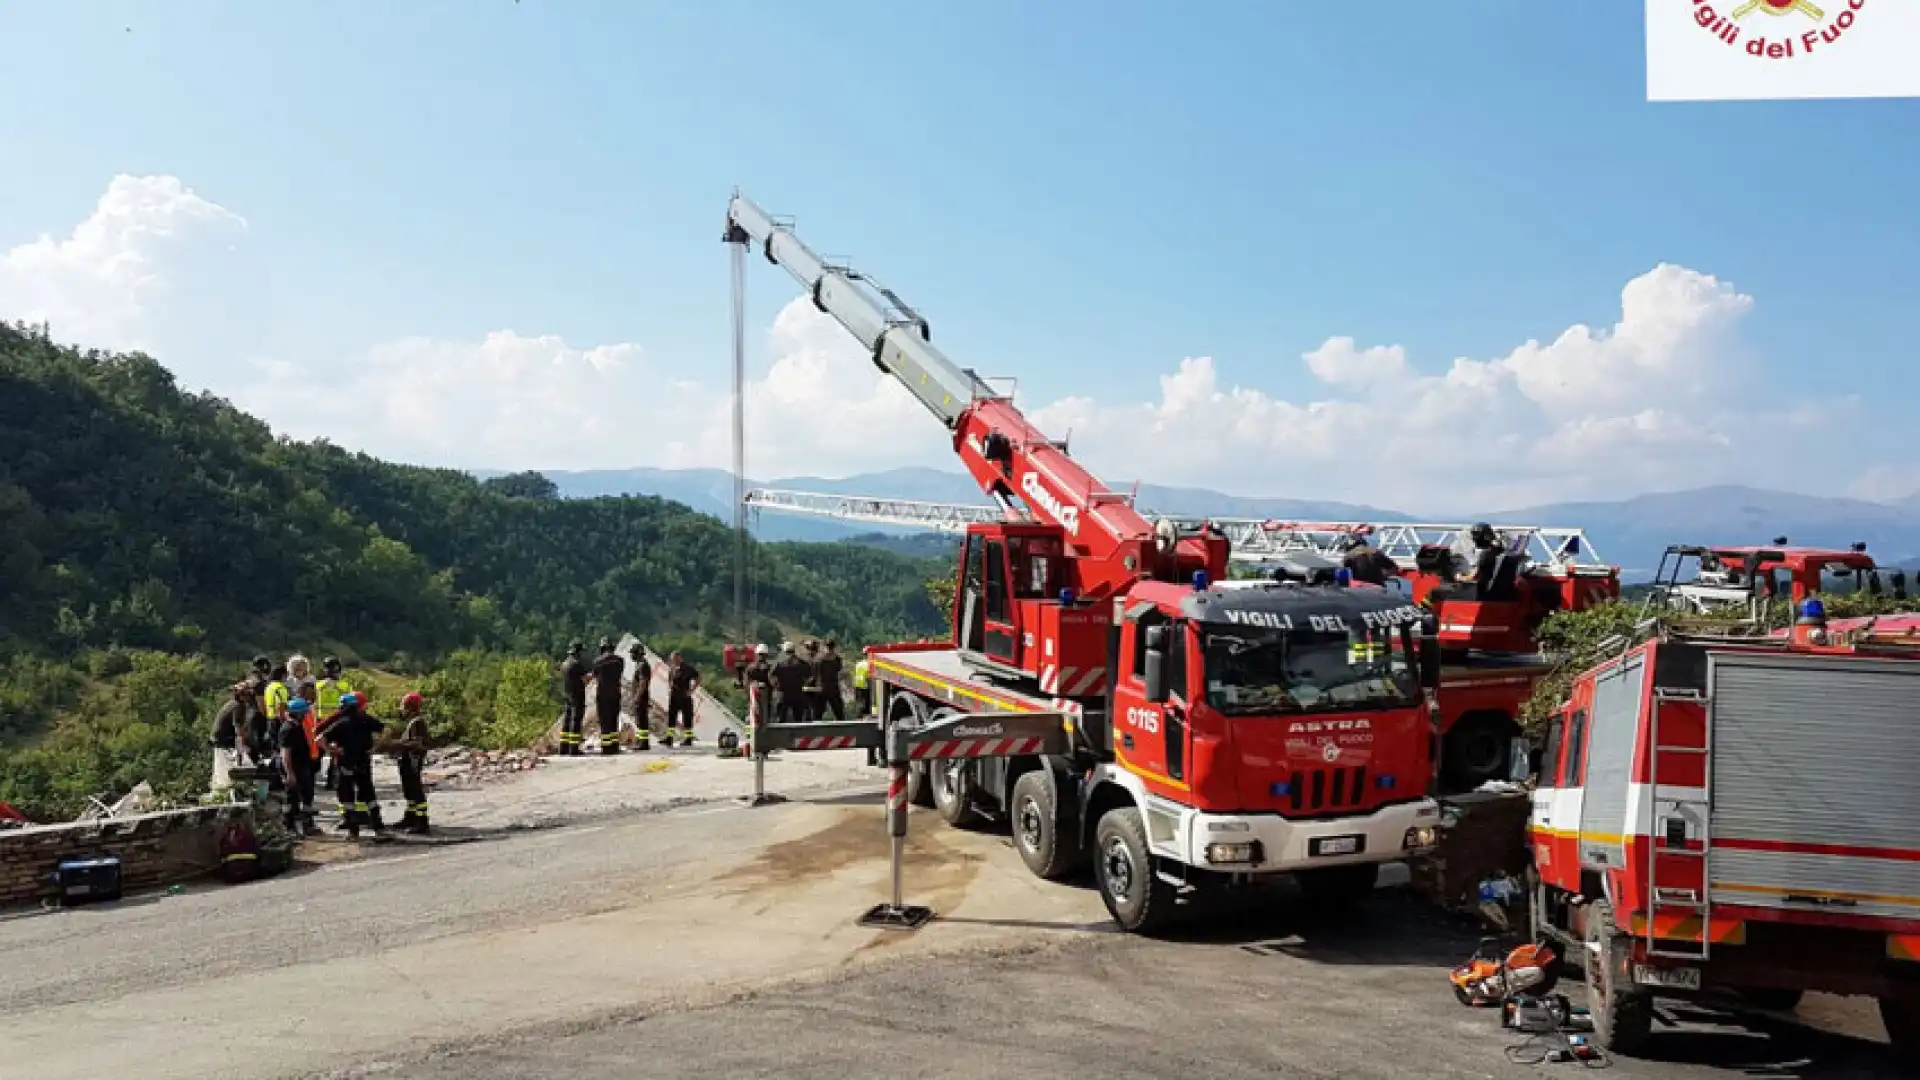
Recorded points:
(1219, 733)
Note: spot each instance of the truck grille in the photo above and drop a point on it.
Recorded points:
(1311, 791)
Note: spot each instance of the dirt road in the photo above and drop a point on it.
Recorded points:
(718, 940)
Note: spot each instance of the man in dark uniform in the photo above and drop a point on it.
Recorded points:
(297, 765)
(259, 736)
(789, 687)
(607, 669)
(810, 703)
(682, 681)
(826, 671)
(1366, 563)
(573, 683)
(411, 755)
(640, 697)
(351, 733)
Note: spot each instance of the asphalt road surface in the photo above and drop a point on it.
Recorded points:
(718, 941)
(1370, 1000)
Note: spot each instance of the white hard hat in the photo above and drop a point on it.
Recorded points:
(759, 650)
(786, 646)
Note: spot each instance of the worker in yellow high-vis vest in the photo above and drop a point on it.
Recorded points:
(327, 694)
(862, 700)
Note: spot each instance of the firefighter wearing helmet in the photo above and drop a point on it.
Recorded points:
(411, 755)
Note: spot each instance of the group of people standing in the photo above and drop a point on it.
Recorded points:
(803, 685)
(617, 702)
(284, 718)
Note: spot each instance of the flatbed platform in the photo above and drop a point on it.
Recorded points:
(941, 674)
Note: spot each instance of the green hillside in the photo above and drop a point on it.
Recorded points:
(153, 537)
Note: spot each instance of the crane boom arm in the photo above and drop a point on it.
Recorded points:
(1008, 456)
(894, 334)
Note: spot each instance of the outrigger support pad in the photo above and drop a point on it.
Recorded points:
(896, 917)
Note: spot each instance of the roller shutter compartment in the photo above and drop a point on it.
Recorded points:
(1816, 784)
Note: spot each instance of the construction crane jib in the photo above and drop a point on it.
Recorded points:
(1009, 457)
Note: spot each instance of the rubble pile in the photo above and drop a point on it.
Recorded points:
(464, 767)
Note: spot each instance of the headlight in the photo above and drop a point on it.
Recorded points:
(1419, 838)
(1248, 852)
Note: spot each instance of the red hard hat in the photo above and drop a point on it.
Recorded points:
(412, 701)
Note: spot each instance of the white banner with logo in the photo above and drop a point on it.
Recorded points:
(1759, 50)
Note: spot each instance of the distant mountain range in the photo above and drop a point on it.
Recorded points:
(1630, 533)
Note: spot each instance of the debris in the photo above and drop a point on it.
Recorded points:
(464, 767)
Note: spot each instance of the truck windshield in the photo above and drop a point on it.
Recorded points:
(1253, 670)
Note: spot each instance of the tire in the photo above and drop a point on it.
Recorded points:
(1135, 896)
(1046, 834)
(1476, 751)
(1338, 889)
(1777, 1000)
(919, 786)
(952, 784)
(1902, 1020)
(1622, 1015)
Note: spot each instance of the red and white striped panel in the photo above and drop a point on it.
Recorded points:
(823, 742)
(976, 748)
(1090, 681)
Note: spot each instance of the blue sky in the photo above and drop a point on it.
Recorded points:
(1078, 194)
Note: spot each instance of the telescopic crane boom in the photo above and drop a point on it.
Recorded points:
(1009, 457)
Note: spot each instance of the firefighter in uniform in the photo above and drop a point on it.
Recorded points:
(682, 680)
(757, 679)
(811, 706)
(607, 669)
(350, 733)
(826, 671)
(411, 755)
(640, 697)
(573, 683)
(789, 686)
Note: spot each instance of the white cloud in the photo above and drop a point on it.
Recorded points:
(1664, 398)
(101, 284)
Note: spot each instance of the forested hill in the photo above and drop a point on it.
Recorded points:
(135, 516)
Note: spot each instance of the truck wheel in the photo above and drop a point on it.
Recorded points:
(1046, 833)
(1135, 896)
(1777, 1000)
(919, 785)
(952, 784)
(1476, 751)
(1622, 1013)
(1338, 889)
(1902, 1020)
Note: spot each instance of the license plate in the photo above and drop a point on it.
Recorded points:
(1676, 977)
(1336, 845)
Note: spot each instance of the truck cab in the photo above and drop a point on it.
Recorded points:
(1258, 729)
(1703, 579)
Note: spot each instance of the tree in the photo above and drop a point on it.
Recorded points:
(525, 485)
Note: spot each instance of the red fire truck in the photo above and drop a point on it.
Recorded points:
(1704, 579)
(1488, 630)
(1219, 731)
(1736, 816)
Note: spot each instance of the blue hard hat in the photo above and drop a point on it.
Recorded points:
(349, 700)
(299, 705)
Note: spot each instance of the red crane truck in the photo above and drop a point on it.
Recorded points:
(1219, 732)
(1736, 815)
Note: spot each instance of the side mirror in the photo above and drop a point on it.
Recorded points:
(1430, 661)
(1155, 674)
